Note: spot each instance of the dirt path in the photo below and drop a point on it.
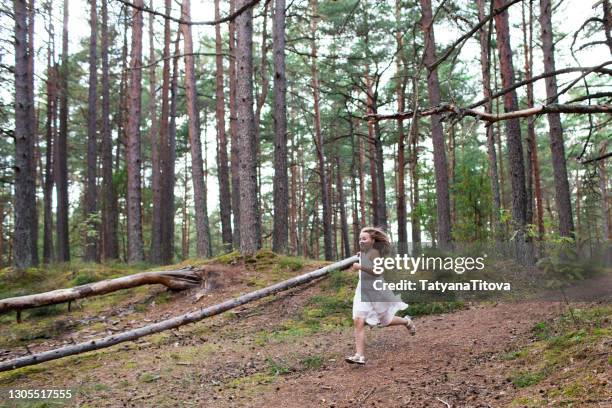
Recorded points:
(259, 356)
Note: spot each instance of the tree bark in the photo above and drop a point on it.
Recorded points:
(536, 194)
(197, 170)
(327, 232)
(109, 195)
(134, 192)
(440, 165)
(513, 135)
(485, 64)
(50, 145)
(234, 160)
(225, 204)
(91, 207)
(250, 229)
(281, 187)
(156, 189)
(167, 135)
(178, 279)
(400, 89)
(341, 203)
(61, 152)
(562, 196)
(24, 208)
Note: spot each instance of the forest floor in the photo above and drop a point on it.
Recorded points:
(288, 350)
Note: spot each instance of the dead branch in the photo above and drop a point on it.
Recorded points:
(178, 279)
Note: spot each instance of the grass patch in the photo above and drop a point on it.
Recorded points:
(430, 308)
(312, 362)
(525, 378)
(566, 351)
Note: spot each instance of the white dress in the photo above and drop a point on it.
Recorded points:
(386, 304)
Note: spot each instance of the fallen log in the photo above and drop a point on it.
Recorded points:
(178, 279)
(175, 321)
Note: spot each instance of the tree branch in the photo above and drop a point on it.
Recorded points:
(459, 112)
(230, 17)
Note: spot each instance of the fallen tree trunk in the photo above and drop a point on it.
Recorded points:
(175, 321)
(178, 279)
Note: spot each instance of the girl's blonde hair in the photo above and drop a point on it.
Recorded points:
(382, 242)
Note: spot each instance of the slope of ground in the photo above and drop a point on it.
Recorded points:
(288, 350)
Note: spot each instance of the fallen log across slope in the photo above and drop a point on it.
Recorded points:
(177, 279)
(175, 321)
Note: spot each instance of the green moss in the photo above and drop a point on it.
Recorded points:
(526, 378)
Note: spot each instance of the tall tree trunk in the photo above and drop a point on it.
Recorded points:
(343, 219)
(33, 125)
(156, 173)
(134, 192)
(197, 170)
(234, 160)
(513, 134)
(49, 141)
(91, 207)
(225, 204)
(327, 232)
(166, 162)
(169, 165)
(372, 151)
(606, 207)
(281, 197)
(531, 134)
(415, 219)
(109, 196)
(250, 229)
(24, 246)
(485, 64)
(400, 89)
(61, 153)
(440, 165)
(293, 208)
(361, 171)
(562, 197)
(185, 225)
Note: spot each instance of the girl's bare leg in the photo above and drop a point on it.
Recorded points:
(359, 335)
(396, 321)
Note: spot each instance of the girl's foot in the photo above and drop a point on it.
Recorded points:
(356, 359)
(410, 326)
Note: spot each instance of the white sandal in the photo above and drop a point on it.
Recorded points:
(410, 326)
(356, 359)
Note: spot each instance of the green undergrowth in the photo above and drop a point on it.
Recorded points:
(567, 362)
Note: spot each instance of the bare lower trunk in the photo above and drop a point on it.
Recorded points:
(562, 196)
(134, 195)
(234, 131)
(440, 165)
(61, 153)
(327, 227)
(109, 195)
(197, 169)
(24, 246)
(91, 242)
(156, 173)
(280, 188)
(513, 134)
(485, 50)
(250, 229)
